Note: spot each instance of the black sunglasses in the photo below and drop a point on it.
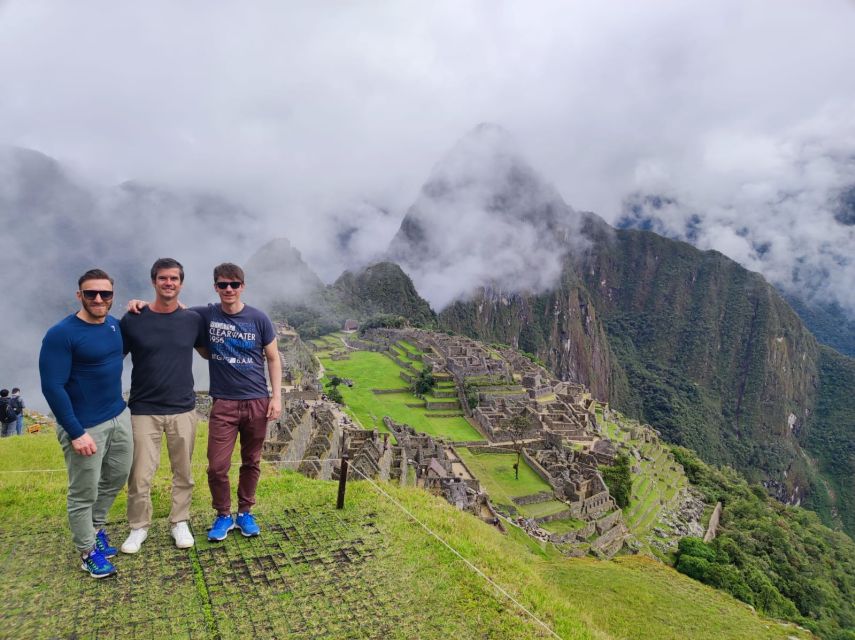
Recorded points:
(91, 294)
(234, 284)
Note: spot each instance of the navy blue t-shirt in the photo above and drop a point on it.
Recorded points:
(81, 371)
(161, 347)
(236, 342)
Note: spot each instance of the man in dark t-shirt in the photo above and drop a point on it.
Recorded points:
(161, 339)
(240, 340)
(80, 364)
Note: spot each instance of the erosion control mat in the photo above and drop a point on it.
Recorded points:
(313, 573)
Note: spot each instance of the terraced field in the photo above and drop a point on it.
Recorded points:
(654, 488)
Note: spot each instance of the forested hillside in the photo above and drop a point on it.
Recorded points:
(777, 558)
(830, 440)
(379, 289)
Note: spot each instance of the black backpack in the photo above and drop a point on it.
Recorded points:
(7, 413)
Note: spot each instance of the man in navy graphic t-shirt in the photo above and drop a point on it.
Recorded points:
(241, 340)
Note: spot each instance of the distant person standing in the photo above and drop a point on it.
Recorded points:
(19, 406)
(161, 339)
(240, 339)
(8, 418)
(81, 377)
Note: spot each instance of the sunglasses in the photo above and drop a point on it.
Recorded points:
(91, 294)
(234, 284)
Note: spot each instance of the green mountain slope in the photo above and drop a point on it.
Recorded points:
(715, 357)
(382, 288)
(778, 558)
(829, 438)
(689, 341)
(828, 322)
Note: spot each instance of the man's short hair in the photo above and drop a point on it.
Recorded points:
(16, 390)
(228, 270)
(93, 274)
(167, 263)
(4, 393)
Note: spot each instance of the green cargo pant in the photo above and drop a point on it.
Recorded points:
(95, 481)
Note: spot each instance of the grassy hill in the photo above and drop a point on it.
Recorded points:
(368, 571)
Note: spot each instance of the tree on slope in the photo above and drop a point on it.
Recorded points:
(517, 427)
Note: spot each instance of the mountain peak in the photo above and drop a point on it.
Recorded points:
(486, 161)
(484, 217)
(277, 273)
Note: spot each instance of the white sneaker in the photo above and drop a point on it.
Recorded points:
(182, 535)
(134, 540)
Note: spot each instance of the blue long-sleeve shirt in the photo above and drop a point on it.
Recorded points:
(81, 370)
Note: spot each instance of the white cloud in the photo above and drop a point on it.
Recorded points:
(743, 111)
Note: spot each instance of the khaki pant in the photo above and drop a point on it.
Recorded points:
(180, 430)
(94, 481)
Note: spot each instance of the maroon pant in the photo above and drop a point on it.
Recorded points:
(228, 419)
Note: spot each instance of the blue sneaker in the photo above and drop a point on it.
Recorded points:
(246, 524)
(97, 565)
(102, 543)
(220, 529)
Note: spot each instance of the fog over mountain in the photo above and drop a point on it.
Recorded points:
(789, 214)
(320, 124)
(485, 218)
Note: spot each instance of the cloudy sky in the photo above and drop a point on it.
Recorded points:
(742, 113)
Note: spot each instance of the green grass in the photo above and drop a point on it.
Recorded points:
(407, 356)
(540, 509)
(564, 525)
(370, 370)
(496, 473)
(265, 587)
(409, 346)
(429, 397)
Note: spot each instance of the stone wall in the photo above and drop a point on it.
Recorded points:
(609, 521)
(301, 435)
(489, 449)
(534, 464)
(611, 541)
(543, 496)
(430, 405)
(561, 515)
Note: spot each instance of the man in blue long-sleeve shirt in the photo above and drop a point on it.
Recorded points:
(81, 373)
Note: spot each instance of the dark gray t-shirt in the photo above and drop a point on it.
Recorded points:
(161, 347)
(236, 343)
